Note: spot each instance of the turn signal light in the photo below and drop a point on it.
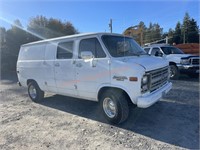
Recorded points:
(133, 79)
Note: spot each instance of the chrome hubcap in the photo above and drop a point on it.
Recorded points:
(32, 92)
(109, 107)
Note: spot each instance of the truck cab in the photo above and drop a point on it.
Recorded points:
(179, 62)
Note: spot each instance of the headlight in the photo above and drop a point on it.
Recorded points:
(144, 84)
(185, 61)
(144, 79)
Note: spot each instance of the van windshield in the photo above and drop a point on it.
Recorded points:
(119, 46)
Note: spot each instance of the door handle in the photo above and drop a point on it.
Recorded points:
(79, 65)
(57, 64)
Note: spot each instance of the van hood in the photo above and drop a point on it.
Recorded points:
(147, 62)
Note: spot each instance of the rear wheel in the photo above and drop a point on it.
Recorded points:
(114, 106)
(34, 92)
(174, 72)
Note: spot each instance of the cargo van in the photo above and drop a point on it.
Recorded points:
(111, 69)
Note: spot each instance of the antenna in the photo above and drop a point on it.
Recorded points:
(110, 25)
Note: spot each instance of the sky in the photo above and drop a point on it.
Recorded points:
(94, 16)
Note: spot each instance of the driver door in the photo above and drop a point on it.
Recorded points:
(94, 72)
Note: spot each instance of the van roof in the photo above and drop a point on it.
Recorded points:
(70, 36)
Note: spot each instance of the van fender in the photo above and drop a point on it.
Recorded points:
(107, 85)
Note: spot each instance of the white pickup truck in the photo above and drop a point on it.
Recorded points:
(108, 68)
(178, 61)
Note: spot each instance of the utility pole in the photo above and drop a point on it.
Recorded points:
(141, 35)
(110, 25)
(183, 35)
(167, 39)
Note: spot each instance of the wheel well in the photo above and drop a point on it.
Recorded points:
(172, 63)
(29, 81)
(102, 90)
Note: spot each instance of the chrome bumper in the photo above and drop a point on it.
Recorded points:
(150, 99)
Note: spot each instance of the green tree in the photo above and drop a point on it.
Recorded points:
(170, 35)
(42, 28)
(185, 27)
(142, 29)
(193, 35)
(2, 36)
(37, 28)
(157, 32)
(148, 34)
(177, 34)
(153, 33)
(15, 37)
(190, 30)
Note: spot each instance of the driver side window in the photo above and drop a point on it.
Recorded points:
(155, 51)
(93, 45)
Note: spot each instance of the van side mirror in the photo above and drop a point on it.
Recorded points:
(87, 55)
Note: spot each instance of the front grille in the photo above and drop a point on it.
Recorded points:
(158, 78)
(195, 61)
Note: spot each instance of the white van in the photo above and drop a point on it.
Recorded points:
(110, 68)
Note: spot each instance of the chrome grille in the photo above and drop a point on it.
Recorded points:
(195, 61)
(158, 78)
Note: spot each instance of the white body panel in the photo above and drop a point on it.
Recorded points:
(84, 78)
(49, 68)
(176, 58)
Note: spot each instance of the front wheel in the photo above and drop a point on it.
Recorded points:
(174, 72)
(194, 75)
(114, 106)
(34, 92)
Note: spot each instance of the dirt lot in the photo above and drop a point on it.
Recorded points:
(60, 122)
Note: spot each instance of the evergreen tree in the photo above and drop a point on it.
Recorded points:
(185, 27)
(15, 37)
(177, 34)
(170, 35)
(193, 35)
(153, 33)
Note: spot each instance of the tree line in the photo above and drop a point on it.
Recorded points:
(38, 28)
(185, 32)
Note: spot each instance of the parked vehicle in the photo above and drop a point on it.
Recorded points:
(109, 68)
(178, 61)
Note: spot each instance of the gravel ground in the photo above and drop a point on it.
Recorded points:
(60, 122)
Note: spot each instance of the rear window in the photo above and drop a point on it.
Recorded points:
(32, 52)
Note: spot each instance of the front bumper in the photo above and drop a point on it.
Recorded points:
(150, 99)
(188, 68)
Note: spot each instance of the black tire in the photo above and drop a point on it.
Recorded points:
(120, 103)
(194, 75)
(174, 72)
(34, 92)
